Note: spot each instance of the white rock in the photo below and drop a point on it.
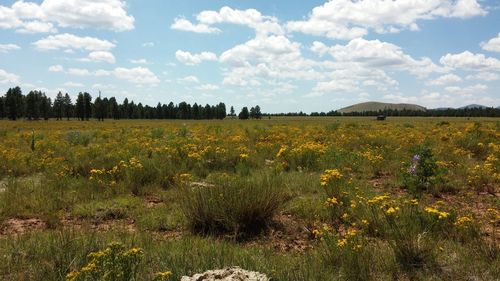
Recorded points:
(227, 274)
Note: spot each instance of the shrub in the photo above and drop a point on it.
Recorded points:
(115, 263)
(240, 206)
(423, 173)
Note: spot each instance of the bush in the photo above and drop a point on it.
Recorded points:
(423, 172)
(240, 206)
(115, 263)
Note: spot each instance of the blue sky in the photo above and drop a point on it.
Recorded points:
(282, 55)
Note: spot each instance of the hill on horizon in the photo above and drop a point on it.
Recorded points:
(376, 106)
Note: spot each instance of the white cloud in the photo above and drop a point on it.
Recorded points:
(376, 54)
(148, 44)
(56, 68)
(100, 56)
(189, 79)
(70, 84)
(185, 25)
(139, 61)
(79, 72)
(252, 18)
(470, 61)
(6, 77)
(136, 75)
(4, 48)
(445, 79)
(37, 27)
(484, 76)
(73, 42)
(347, 19)
(493, 45)
(467, 91)
(192, 59)
(208, 87)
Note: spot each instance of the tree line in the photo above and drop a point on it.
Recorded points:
(36, 105)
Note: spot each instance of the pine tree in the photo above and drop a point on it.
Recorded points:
(14, 103)
(68, 106)
(244, 114)
(59, 106)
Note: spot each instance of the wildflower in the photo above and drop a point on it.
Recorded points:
(342, 242)
(281, 151)
(72, 276)
(243, 156)
(331, 201)
(391, 210)
(162, 275)
(316, 233)
(330, 175)
(463, 221)
(365, 222)
(441, 215)
(413, 202)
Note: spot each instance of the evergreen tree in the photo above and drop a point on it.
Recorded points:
(2, 108)
(14, 103)
(114, 108)
(221, 111)
(87, 105)
(33, 105)
(244, 114)
(80, 107)
(68, 106)
(45, 106)
(231, 112)
(59, 106)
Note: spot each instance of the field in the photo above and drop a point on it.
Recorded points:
(294, 198)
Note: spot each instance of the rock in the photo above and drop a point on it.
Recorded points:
(227, 274)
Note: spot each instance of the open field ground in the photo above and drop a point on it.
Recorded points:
(294, 198)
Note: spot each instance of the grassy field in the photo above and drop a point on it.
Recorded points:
(294, 198)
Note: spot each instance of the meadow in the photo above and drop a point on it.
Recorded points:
(332, 198)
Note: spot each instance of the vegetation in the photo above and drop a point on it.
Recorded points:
(335, 198)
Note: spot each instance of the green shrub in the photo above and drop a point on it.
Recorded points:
(115, 263)
(240, 206)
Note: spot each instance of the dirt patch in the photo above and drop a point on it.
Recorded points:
(287, 234)
(153, 201)
(99, 225)
(17, 226)
(227, 274)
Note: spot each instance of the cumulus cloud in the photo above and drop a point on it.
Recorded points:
(8, 78)
(493, 45)
(139, 61)
(136, 75)
(467, 91)
(484, 76)
(5, 48)
(348, 19)
(56, 68)
(208, 87)
(100, 56)
(73, 42)
(375, 54)
(263, 25)
(36, 27)
(71, 84)
(445, 79)
(189, 79)
(185, 25)
(79, 72)
(192, 59)
(470, 61)
(30, 17)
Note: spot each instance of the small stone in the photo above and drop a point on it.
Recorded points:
(227, 274)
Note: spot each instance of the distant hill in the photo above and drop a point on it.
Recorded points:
(472, 106)
(376, 106)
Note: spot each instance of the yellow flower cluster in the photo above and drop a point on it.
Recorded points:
(440, 214)
(329, 176)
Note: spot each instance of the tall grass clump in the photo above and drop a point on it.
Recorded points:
(239, 206)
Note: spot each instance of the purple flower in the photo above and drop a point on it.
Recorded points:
(416, 158)
(412, 169)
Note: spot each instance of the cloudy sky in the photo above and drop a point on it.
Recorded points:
(283, 55)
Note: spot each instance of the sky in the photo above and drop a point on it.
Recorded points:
(285, 56)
